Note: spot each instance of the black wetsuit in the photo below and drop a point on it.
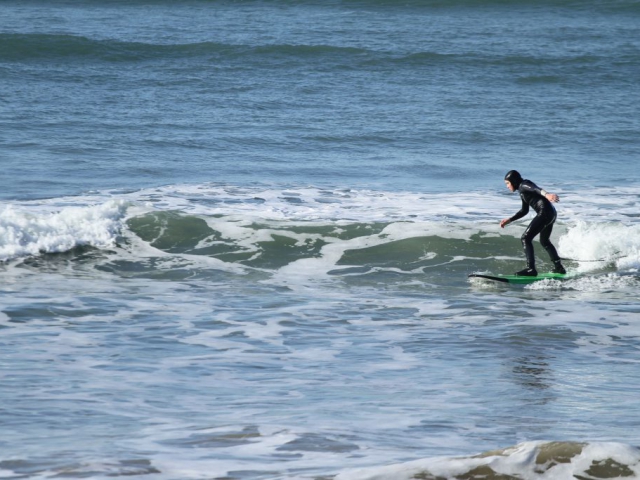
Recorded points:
(542, 224)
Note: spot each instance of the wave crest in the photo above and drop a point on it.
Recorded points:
(24, 234)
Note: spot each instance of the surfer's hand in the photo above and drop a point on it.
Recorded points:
(552, 197)
(504, 223)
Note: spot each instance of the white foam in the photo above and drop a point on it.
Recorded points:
(310, 204)
(24, 233)
(7, 473)
(596, 245)
(307, 203)
(589, 283)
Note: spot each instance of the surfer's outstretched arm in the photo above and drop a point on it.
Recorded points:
(521, 213)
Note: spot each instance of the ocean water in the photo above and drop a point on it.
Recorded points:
(235, 239)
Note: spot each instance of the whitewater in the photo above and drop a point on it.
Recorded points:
(226, 329)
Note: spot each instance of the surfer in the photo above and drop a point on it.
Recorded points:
(540, 200)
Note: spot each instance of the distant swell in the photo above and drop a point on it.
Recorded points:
(40, 47)
(24, 47)
(614, 5)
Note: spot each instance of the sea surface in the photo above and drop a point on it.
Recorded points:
(235, 239)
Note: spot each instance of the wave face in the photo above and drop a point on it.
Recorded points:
(319, 233)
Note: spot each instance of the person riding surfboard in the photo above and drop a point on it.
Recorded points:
(540, 200)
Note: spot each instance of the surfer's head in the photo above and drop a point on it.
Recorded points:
(513, 180)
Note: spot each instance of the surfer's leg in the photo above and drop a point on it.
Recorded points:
(545, 241)
(534, 228)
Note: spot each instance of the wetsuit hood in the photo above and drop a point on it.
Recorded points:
(514, 178)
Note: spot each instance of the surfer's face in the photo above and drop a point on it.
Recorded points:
(509, 186)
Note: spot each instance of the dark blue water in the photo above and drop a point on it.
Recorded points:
(423, 96)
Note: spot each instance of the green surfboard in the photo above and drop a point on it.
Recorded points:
(520, 280)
